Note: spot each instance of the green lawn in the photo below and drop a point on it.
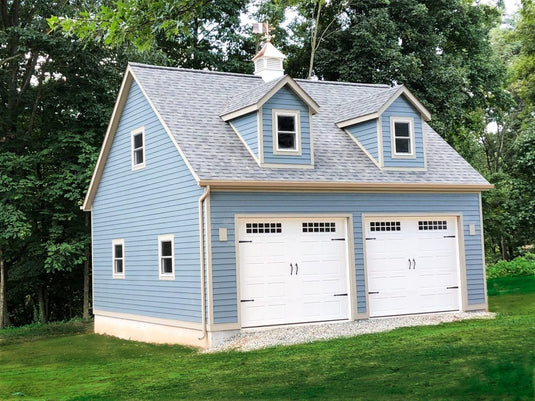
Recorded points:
(469, 360)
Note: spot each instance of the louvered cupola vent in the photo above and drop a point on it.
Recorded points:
(268, 63)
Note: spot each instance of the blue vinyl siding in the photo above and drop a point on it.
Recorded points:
(366, 134)
(224, 206)
(285, 99)
(402, 108)
(137, 206)
(247, 127)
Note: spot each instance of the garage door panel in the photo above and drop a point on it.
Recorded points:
(303, 263)
(410, 268)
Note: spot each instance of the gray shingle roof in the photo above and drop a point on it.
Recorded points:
(364, 106)
(191, 102)
(249, 97)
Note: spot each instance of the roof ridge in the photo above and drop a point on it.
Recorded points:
(343, 83)
(237, 74)
(192, 70)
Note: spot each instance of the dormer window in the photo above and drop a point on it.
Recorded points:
(286, 132)
(402, 129)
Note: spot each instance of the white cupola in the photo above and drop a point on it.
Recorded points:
(268, 63)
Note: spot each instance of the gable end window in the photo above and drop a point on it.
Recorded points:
(286, 132)
(138, 148)
(117, 246)
(402, 137)
(166, 257)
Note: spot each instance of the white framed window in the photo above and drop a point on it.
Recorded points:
(138, 148)
(402, 130)
(286, 132)
(166, 257)
(117, 250)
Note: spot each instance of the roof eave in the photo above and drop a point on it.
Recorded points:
(344, 186)
(357, 120)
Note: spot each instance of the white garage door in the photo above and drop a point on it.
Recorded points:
(292, 270)
(412, 265)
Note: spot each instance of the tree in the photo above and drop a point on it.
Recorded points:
(439, 50)
(56, 97)
(524, 65)
(185, 33)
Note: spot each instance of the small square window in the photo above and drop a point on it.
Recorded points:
(286, 132)
(402, 137)
(166, 257)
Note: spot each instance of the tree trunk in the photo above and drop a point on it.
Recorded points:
(4, 316)
(43, 309)
(87, 262)
(313, 39)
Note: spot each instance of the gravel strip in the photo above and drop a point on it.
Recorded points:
(250, 339)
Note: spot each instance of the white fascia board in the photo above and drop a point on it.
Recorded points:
(241, 112)
(287, 80)
(128, 78)
(412, 99)
(108, 139)
(162, 121)
(353, 121)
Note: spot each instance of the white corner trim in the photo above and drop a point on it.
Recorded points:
(380, 142)
(260, 136)
(311, 125)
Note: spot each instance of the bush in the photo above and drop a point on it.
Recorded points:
(520, 266)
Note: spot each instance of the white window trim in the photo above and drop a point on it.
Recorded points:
(290, 113)
(140, 130)
(410, 121)
(161, 238)
(114, 273)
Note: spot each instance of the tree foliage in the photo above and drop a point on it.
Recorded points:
(56, 96)
(186, 33)
(439, 50)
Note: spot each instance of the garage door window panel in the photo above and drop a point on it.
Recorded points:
(385, 226)
(319, 227)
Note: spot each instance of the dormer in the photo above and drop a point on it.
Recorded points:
(274, 120)
(388, 126)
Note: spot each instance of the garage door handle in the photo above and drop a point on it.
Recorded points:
(409, 264)
(413, 264)
(340, 295)
(296, 269)
(452, 288)
(291, 269)
(373, 292)
(247, 300)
